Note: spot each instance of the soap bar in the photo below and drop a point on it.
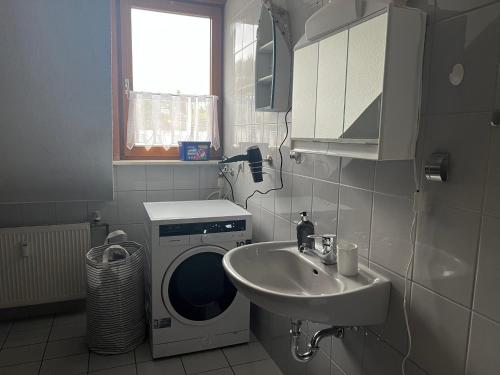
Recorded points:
(347, 258)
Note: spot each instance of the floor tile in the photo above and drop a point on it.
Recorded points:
(170, 366)
(5, 326)
(221, 371)
(236, 355)
(23, 369)
(267, 367)
(64, 348)
(101, 362)
(143, 352)
(21, 354)
(67, 332)
(74, 319)
(72, 365)
(204, 361)
(124, 370)
(22, 338)
(32, 323)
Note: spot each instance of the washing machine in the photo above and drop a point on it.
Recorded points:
(191, 304)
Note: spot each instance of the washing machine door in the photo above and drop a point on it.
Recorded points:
(195, 288)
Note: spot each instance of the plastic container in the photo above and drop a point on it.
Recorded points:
(305, 228)
(194, 151)
(347, 258)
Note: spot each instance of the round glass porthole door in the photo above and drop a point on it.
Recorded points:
(196, 287)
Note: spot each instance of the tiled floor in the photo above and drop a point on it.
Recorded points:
(56, 346)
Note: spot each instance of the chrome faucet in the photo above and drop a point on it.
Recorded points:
(327, 252)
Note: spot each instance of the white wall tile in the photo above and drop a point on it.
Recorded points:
(395, 177)
(205, 193)
(283, 203)
(159, 177)
(130, 177)
(393, 330)
(484, 346)
(471, 39)
(486, 297)
(281, 229)
(256, 222)
(160, 195)
(464, 137)
(267, 224)
(186, 177)
(186, 194)
(271, 180)
(209, 177)
(358, 173)
(306, 166)
(324, 206)
(320, 365)
(327, 168)
(450, 8)
(492, 199)
(391, 244)
(445, 254)
(379, 358)
(301, 196)
(355, 211)
(348, 352)
(439, 329)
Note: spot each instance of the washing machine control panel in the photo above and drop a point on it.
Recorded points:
(226, 226)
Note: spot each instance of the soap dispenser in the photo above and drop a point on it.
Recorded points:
(304, 228)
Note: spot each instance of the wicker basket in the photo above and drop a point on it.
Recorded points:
(115, 297)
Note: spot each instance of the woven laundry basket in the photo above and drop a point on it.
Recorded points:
(115, 296)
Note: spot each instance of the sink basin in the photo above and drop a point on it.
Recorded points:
(277, 277)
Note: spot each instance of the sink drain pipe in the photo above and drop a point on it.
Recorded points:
(313, 346)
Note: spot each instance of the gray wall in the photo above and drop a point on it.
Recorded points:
(455, 304)
(134, 184)
(55, 100)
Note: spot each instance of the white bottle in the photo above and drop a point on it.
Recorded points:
(347, 258)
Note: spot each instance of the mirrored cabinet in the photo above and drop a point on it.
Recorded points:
(356, 90)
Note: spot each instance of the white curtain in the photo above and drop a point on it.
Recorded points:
(166, 119)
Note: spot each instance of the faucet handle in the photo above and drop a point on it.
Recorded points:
(328, 241)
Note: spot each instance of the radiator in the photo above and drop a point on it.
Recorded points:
(43, 264)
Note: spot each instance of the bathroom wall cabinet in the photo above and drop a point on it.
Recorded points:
(356, 90)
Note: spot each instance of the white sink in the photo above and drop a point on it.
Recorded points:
(277, 277)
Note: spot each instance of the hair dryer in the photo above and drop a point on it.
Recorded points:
(254, 158)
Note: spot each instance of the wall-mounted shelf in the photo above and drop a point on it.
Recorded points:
(272, 60)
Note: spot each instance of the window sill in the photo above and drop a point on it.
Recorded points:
(164, 162)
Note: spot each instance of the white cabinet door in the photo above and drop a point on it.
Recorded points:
(365, 78)
(331, 86)
(305, 74)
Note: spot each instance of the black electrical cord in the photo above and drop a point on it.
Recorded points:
(281, 164)
(229, 182)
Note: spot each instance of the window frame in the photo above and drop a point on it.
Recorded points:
(122, 68)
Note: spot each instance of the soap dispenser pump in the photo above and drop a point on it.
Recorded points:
(305, 228)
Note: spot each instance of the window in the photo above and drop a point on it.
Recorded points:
(167, 71)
